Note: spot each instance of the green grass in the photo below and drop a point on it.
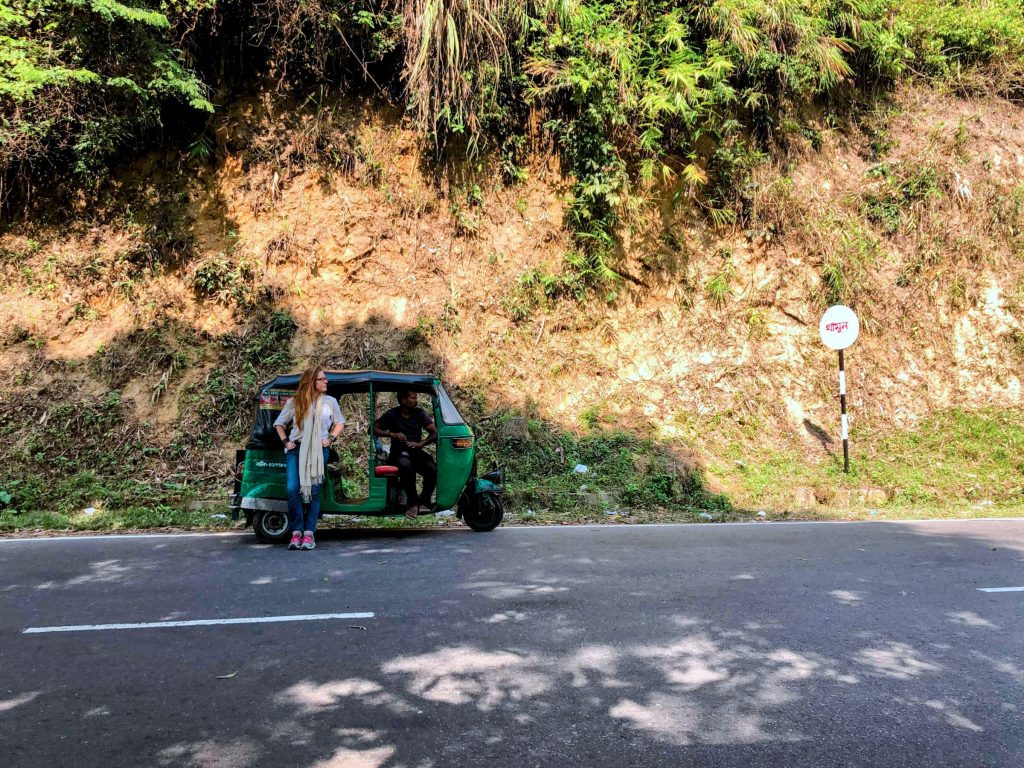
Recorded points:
(848, 262)
(624, 472)
(774, 475)
(113, 520)
(956, 462)
(952, 458)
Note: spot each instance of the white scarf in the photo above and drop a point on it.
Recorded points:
(311, 455)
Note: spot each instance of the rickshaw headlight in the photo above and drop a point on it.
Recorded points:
(462, 442)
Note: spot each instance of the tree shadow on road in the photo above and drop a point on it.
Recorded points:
(579, 656)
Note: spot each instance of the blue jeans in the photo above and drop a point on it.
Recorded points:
(301, 522)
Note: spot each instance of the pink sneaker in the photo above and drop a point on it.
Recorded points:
(296, 541)
(307, 541)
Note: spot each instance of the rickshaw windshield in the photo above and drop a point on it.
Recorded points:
(449, 413)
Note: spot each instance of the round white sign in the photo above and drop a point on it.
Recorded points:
(839, 327)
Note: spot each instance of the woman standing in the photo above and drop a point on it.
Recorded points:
(316, 422)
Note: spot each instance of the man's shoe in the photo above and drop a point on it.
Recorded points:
(296, 541)
(412, 512)
(307, 541)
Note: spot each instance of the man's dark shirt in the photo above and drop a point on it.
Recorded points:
(411, 427)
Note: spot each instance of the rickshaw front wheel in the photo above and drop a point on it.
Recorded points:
(271, 526)
(483, 513)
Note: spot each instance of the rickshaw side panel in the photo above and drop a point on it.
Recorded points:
(264, 475)
(454, 465)
(454, 461)
(372, 505)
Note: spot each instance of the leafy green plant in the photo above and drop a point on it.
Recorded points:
(757, 323)
(252, 355)
(653, 103)
(948, 38)
(717, 287)
(67, 98)
(201, 150)
(958, 291)
(896, 190)
(850, 252)
(536, 288)
(590, 417)
(217, 277)
(623, 469)
(101, 461)
(213, 276)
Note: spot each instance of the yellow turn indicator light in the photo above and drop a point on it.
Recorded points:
(462, 442)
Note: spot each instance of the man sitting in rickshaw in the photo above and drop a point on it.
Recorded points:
(404, 424)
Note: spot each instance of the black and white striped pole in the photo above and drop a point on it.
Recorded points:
(845, 424)
(839, 328)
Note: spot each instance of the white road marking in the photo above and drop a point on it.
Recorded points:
(109, 536)
(198, 623)
(763, 523)
(768, 523)
(1001, 589)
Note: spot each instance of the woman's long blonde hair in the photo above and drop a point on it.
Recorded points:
(306, 393)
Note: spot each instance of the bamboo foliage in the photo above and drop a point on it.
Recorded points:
(451, 46)
(640, 97)
(456, 52)
(79, 78)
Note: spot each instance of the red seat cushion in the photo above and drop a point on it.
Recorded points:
(385, 470)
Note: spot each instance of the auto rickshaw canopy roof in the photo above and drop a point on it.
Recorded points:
(360, 381)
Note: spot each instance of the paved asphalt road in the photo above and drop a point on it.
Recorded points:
(730, 645)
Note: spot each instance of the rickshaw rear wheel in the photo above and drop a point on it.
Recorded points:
(271, 526)
(483, 513)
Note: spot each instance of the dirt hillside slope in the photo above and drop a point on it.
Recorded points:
(333, 231)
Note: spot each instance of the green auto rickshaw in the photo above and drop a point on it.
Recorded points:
(359, 478)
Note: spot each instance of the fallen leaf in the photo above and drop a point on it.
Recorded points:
(226, 677)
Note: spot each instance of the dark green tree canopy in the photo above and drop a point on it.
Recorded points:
(640, 97)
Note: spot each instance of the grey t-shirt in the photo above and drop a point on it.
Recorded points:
(331, 415)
